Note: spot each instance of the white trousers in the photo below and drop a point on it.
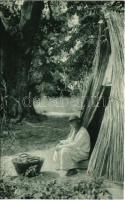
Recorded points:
(64, 158)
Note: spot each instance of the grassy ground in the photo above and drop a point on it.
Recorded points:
(29, 136)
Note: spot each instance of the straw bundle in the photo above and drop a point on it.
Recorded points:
(95, 89)
(107, 156)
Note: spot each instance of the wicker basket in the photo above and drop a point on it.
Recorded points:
(28, 165)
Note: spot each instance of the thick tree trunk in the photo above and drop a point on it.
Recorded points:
(16, 61)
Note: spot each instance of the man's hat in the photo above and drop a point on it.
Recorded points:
(72, 118)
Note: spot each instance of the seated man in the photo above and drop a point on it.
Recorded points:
(74, 149)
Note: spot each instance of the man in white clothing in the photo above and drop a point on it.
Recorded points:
(74, 149)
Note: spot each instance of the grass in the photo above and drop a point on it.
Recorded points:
(28, 136)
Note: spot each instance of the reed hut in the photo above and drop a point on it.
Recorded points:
(103, 107)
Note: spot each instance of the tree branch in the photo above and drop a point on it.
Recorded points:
(50, 10)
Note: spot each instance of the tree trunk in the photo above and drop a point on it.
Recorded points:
(16, 58)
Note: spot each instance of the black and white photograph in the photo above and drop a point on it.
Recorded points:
(62, 99)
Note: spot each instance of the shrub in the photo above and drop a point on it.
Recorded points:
(29, 188)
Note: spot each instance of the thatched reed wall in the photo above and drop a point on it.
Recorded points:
(107, 157)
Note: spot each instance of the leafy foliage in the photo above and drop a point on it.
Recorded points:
(10, 16)
(66, 49)
(25, 188)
